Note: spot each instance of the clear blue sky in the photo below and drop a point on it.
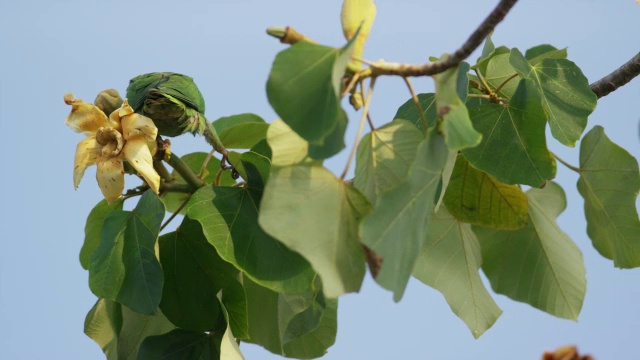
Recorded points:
(48, 48)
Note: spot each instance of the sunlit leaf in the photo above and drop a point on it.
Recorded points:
(287, 147)
(564, 91)
(609, 183)
(300, 325)
(120, 331)
(316, 214)
(229, 349)
(194, 275)
(304, 88)
(539, 264)
(513, 148)
(396, 229)
(384, 157)
(449, 261)
(93, 228)
(456, 126)
(124, 267)
(241, 131)
(478, 198)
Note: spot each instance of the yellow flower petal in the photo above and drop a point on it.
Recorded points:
(110, 176)
(85, 117)
(86, 155)
(137, 153)
(134, 125)
(110, 140)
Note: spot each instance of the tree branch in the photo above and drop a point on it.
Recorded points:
(617, 78)
(487, 26)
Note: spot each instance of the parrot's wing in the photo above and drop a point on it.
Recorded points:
(140, 86)
(184, 89)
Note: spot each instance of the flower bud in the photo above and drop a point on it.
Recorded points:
(108, 101)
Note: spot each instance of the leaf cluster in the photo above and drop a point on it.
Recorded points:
(438, 195)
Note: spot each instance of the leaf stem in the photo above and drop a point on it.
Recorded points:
(423, 120)
(365, 112)
(576, 169)
(175, 213)
(206, 162)
(486, 88)
(497, 91)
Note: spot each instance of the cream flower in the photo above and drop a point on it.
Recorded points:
(124, 135)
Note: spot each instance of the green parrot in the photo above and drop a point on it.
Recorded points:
(174, 103)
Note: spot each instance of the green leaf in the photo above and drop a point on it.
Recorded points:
(409, 112)
(609, 183)
(304, 88)
(106, 268)
(172, 201)
(565, 94)
(256, 168)
(384, 157)
(124, 267)
(478, 198)
(488, 48)
(539, 264)
(181, 345)
(456, 126)
(240, 131)
(287, 147)
(229, 218)
(194, 275)
(296, 325)
(449, 262)
(103, 324)
(514, 147)
(93, 228)
(136, 327)
(334, 142)
(538, 53)
(229, 348)
(119, 331)
(499, 70)
(316, 215)
(396, 229)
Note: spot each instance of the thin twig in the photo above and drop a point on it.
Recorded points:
(617, 78)
(425, 124)
(352, 82)
(363, 96)
(367, 103)
(175, 213)
(206, 161)
(487, 26)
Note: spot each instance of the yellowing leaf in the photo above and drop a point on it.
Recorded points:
(478, 198)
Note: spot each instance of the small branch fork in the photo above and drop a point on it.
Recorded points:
(472, 43)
